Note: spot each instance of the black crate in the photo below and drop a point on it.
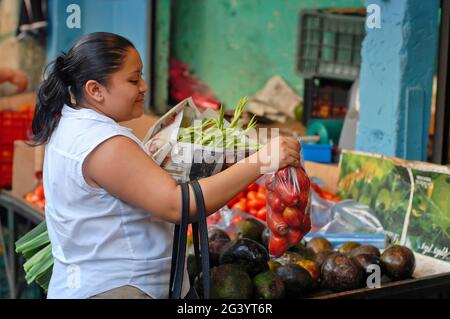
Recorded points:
(330, 44)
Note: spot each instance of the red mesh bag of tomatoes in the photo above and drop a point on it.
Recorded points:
(288, 197)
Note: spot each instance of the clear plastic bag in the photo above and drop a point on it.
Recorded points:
(351, 217)
(288, 196)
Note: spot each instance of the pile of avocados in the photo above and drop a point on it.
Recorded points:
(241, 267)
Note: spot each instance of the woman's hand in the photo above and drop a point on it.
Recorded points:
(279, 152)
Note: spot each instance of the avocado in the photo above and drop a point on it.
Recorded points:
(365, 249)
(215, 248)
(265, 237)
(273, 265)
(399, 262)
(250, 228)
(318, 244)
(341, 272)
(347, 247)
(268, 285)
(217, 233)
(249, 254)
(303, 251)
(192, 268)
(321, 256)
(230, 282)
(366, 260)
(288, 257)
(297, 280)
(312, 268)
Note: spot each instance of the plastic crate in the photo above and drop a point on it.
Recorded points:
(330, 44)
(14, 125)
(325, 98)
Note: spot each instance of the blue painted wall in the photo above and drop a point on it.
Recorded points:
(398, 61)
(127, 18)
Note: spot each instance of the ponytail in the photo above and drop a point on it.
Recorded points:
(96, 56)
(53, 93)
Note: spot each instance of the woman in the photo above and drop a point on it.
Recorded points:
(110, 209)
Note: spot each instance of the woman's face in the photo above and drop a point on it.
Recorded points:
(124, 96)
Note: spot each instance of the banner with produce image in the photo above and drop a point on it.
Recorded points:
(410, 199)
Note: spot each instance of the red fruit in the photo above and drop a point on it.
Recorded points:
(253, 212)
(275, 203)
(294, 236)
(261, 190)
(283, 174)
(241, 205)
(303, 180)
(261, 196)
(252, 187)
(277, 224)
(306, 224)
(293, 216)
(255, 204)
(277, 245)
(251, 195)
(287, 193)
(39, 191)
(262, 213)
(303, 198)
(270, 183)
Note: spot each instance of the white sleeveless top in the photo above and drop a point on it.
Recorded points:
(98, 241)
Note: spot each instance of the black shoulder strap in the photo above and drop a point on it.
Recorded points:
(179, 247)
(201, 220)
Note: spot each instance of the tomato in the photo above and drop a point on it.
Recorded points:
(303, 198)
(253, 212)
(274, 202)
(261, 197)
(277, 245)
(251, 195)
(262, 213)
(292, 216)
(254, 204)
(252, 187)
(232, 202)
(261, 190)
(39, 191)
(306, 224)
(287, 193)
(236, 219)
(283, 174)
(277, 224)
(241, 205)
(303, 180)
(240, 195)
(294, 236)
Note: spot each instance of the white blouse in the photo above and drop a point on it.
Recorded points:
(99, 242)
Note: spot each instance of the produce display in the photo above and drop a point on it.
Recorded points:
(35, 246)
(36, 197)
(252, 200)
(288, 204)
(243, 267)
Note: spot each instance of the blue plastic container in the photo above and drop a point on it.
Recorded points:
(321, 153)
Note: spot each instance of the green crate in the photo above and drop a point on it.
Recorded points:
(330, 44)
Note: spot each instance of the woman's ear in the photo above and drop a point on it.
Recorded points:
(94, 90)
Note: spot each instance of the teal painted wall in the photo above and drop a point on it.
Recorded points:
(237, 45)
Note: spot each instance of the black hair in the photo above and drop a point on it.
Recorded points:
(94, 57)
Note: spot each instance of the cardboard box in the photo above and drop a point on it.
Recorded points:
(27, 163)
(16, 102)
